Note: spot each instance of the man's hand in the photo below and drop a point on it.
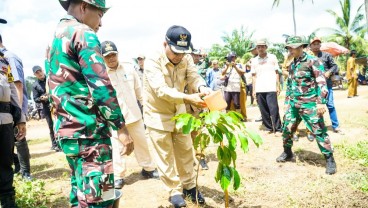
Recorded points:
(328, 74)
(22, 131)
(195, 100)
(321, 109)
(124, 137)
(205, 90)
(44, 97)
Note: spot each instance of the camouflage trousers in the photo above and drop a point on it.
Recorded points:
(92, 175)
(314, 123)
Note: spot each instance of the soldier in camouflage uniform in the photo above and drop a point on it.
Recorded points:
(85, 104)
(10, 115)
(307, 92)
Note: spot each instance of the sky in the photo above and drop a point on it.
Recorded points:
(139, 27)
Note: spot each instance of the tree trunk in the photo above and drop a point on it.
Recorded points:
(366, 12)
(294, 16)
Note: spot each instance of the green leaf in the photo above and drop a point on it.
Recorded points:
(254, 136)
(218, 172)
(196, 124)
(214, 117)
(188, 126)
(181, 120)
(237, 117)
(225, 178)
(236, 179)
(233, 156)
(226, 157)
(232, 141)
(243, 142)
(205, 140)
(220, 153)
(197, 140)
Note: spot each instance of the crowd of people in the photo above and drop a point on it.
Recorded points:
(99, 109)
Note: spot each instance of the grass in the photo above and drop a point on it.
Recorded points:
(38, 141)
(357, 152)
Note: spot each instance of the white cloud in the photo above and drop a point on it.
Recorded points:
(140, 26)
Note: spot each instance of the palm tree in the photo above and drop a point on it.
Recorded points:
(348, 27)
(277, 2)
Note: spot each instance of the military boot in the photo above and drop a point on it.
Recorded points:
(287, 155)
(330, 164)
(8, 200)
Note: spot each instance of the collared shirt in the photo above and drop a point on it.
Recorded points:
(163, 93)
(307, 81)
(329, 65)
(214, 79)
(140, 74)
(16, 67)
(127, 85)
(81, 92)
(8, 92)
(265, 70)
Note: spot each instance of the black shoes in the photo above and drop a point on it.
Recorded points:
(150, 174)
(56, 148)
(259, 119)
(330, 164)
(287, 155)
(192, 193)
(7, 200)
(203, 164)
(27, 176)
(119, 183)
(177, 201)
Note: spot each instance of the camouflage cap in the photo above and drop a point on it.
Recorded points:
(97, 3)
(295, 42)
(252, 46)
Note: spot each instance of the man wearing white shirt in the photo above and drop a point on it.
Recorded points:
(266, 86)
(127, 85)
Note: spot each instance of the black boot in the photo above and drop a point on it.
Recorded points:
(287, 155)
(24, 158)
(8, 200)
(330, 164)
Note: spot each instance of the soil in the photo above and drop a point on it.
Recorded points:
(265, 183)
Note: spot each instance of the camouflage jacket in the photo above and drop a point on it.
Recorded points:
(307, 82)
(81, 92)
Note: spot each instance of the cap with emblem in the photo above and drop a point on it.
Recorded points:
(179, 39)
(96, 3)
(108, 47)
(295, 42)
(36, 68)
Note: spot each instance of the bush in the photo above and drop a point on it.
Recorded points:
(31, 193)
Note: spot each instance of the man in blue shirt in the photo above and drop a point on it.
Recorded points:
(16, 67)
(213, 79)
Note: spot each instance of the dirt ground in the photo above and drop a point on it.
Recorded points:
(265, 183)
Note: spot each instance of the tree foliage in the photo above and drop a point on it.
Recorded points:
(225, 129)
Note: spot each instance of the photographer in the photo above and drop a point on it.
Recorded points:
(40, 96)
(232, 73)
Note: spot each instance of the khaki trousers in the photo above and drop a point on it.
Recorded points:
(141, 151)
(174, 157)
(352, 87)
(243, 101)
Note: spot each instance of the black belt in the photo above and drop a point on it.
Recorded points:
(4, 107)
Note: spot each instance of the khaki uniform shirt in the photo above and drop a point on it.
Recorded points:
(127, 85)
(163, 93)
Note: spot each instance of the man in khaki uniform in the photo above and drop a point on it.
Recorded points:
(351, 75)
(165, 77)
(127, 85)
